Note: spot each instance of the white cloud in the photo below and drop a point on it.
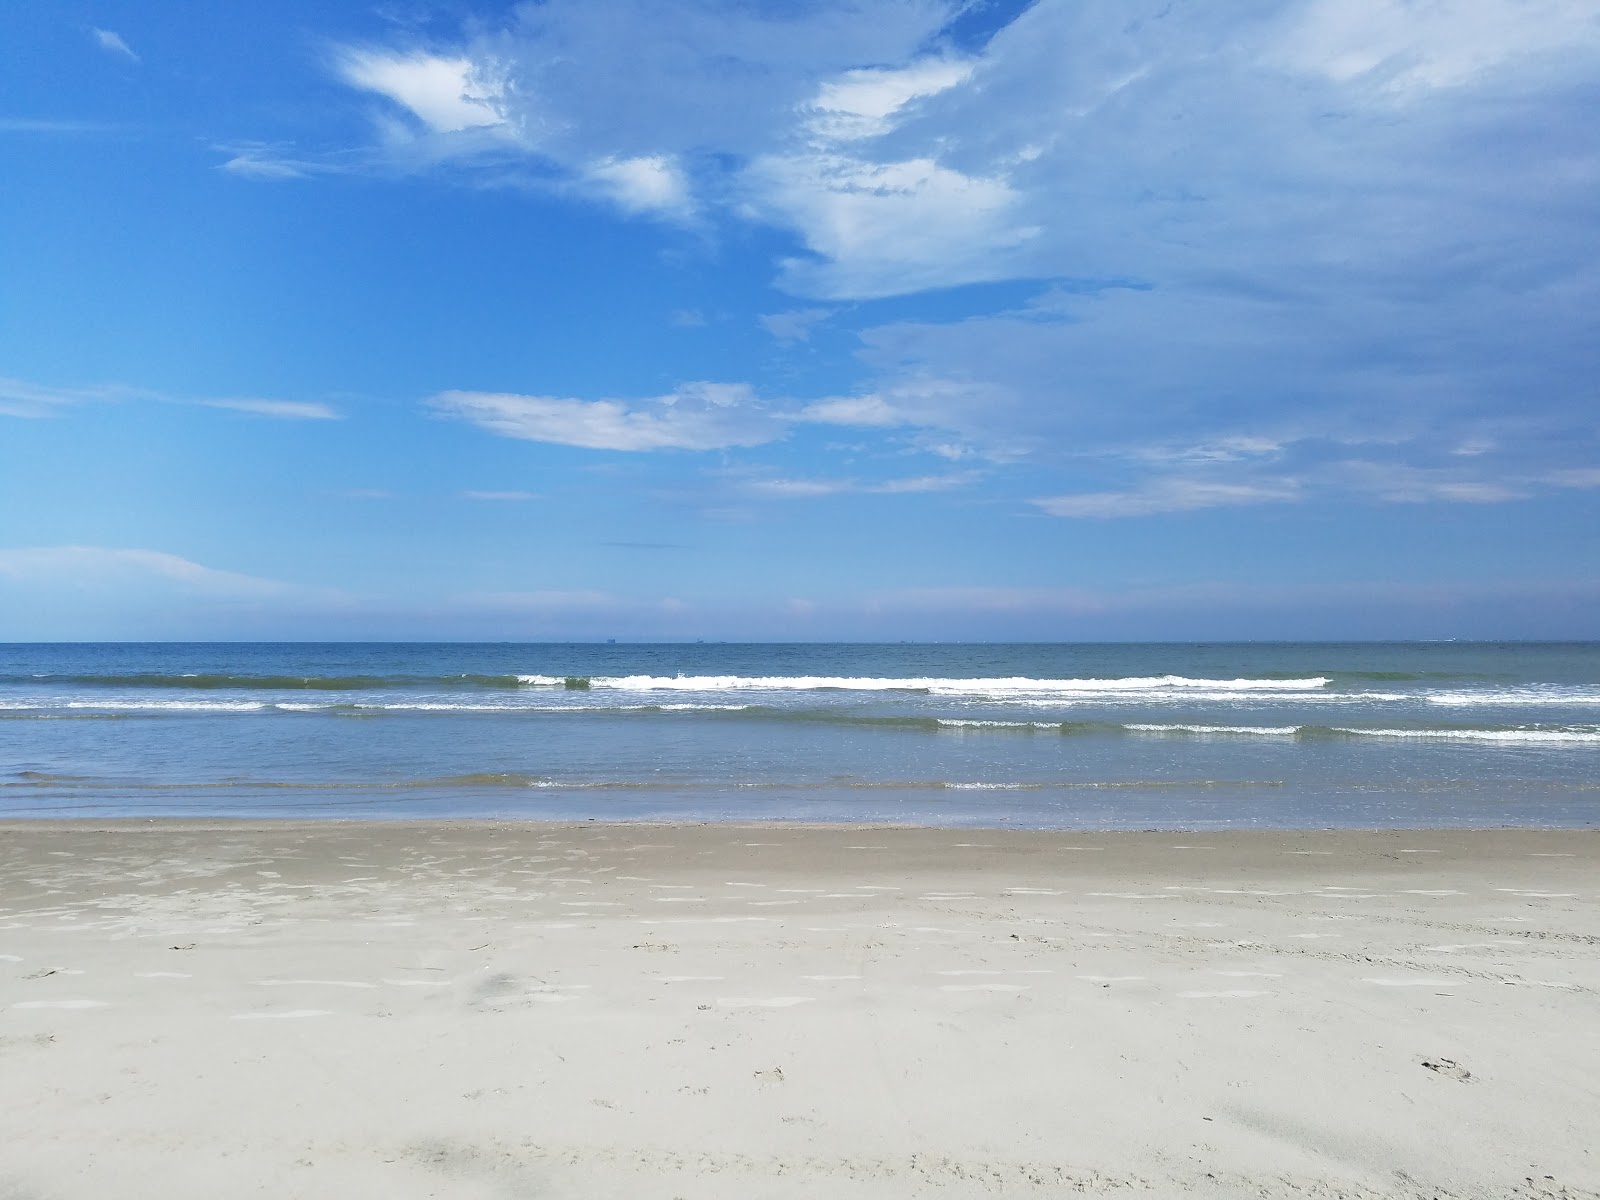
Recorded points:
(697, 416)
(864, 103)
(647, 183)
(447, 94)
(868, 411)
(507, 496)
(887, 228)
(1168, 496)
(286, 410)
(112, 43)
(809, 488)
(882, 225)
(1276, 230)
(1408, 45)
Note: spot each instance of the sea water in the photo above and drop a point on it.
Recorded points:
(1047, 736)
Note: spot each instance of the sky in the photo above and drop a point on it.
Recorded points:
(800, 320)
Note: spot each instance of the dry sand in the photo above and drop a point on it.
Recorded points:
(509, 1010)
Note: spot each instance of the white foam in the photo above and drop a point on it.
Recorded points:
(1532, 695)
(1253, 730)
(962, 723)
(1009, 686)
(171, 705)
(1493, 736)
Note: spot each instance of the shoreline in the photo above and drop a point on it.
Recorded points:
(489, 1008)
(226, 821)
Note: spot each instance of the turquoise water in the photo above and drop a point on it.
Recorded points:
(1101, 736)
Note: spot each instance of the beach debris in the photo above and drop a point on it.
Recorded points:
(1448, 1068)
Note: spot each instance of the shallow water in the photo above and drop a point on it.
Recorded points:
(1105, 736)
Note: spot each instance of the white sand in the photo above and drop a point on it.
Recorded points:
(482, 1010)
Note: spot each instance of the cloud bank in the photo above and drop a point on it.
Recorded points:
(1360, 234)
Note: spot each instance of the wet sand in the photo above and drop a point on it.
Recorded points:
(504, 1010)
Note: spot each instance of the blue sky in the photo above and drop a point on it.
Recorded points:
(890, 319)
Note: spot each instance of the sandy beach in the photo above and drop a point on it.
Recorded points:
(507, 1010)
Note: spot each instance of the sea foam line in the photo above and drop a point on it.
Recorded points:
(1014, 685)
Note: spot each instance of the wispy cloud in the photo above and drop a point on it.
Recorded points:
(697, 416)
(20, 398)
(501, 496)
(808, 488)
(865, 411)
(1168, 496)
(98, 564)
(1401, 483)
(269, 162)
(112, 43)
(1406, 48)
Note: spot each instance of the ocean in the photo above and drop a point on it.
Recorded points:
(1103, 736)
